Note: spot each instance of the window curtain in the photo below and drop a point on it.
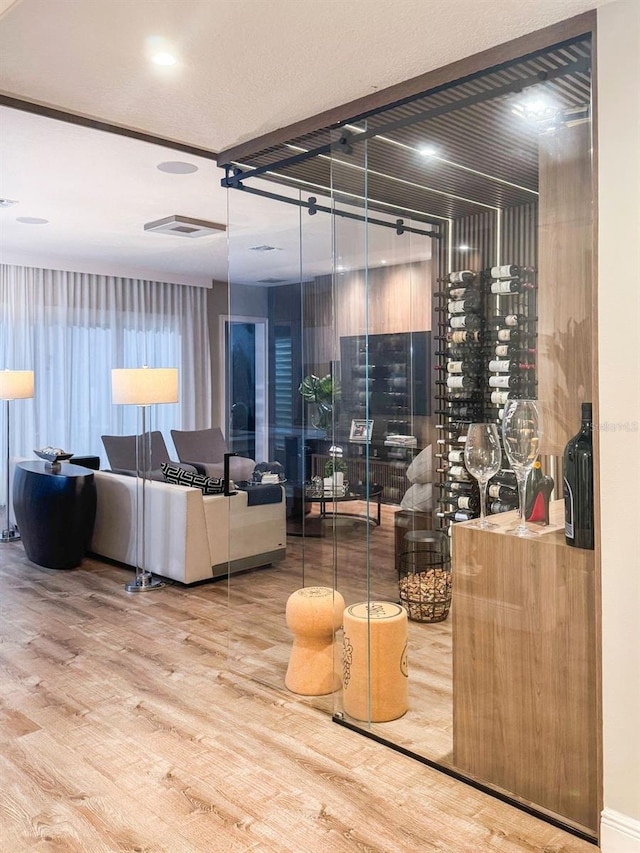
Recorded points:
(71, 329)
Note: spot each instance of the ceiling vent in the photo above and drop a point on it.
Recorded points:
(184, 226)
(265, 249)
(271, 280)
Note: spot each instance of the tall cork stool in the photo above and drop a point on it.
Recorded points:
(313, 614)
(375, 646)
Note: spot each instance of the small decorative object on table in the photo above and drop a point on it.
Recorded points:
(539, 488)
(424, 576)
(53, 456)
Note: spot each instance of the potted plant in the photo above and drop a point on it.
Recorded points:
(322, 394)
(334, 470)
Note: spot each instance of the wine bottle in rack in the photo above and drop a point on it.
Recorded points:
(460, 277)
(511, 335)
(512, 285)
(517, 349)
(466, 365)
(456, 515)
(465, 305)
(511, 320)
(500, 506)
(513, 381)
(457, 486)
(500, 492)
(465, 322)
(512, 366)
(505, 271)
(505, 477)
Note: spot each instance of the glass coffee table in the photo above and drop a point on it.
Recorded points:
(374, 493)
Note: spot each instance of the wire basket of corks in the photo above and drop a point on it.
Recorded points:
(424, 581)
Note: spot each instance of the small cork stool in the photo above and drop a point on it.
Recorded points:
(313, 615)
(383, 624)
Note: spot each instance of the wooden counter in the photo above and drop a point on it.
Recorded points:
(524, 665)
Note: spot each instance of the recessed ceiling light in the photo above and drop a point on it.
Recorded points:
(177, 167)
(163, 57)
(383, 261)
(7, 202)
(464, 248)
(428, 151)
(31, 220)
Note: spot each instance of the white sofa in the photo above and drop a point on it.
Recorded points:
(190, 537)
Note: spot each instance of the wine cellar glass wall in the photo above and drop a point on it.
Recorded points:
(481, 192)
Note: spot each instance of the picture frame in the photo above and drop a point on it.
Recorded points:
(361, 430)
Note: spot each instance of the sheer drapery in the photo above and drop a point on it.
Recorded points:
(72, 328)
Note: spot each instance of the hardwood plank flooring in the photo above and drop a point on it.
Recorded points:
(125, 726)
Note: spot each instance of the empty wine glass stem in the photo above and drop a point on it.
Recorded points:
(522, 492)
(483, 499)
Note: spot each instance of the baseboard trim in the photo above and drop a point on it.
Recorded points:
(619, 833)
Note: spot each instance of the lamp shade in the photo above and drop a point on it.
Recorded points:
(16, 384)
(144, 386)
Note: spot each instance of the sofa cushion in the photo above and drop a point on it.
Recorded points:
(421, 469)
(176, 474)
(418, 498)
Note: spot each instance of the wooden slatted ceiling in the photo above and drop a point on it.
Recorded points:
(487, 157)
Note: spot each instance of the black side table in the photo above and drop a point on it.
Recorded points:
(54, 512)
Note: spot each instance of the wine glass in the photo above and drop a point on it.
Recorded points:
(482, 457)
(521, 436)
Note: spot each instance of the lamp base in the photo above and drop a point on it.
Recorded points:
(10, 534)
(143, 582)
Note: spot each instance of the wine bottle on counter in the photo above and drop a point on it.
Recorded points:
(578, 484)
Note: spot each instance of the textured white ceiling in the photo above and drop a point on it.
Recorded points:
(245, 67)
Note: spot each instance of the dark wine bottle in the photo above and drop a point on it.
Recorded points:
(465, 321)
(501, 506)
(511, 285)
(509, 350)
(505, 271)
(506, 477)
(462, 336)
(457, 515)
(467, 365)
(503, 493)
(460, 276)
(511, 320)
(578, 484)
(508, 365)
(463, 306)
(514, 382)
(457, 486)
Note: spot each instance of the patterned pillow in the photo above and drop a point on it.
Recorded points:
(175, 474)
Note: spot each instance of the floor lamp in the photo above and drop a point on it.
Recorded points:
(143, 387)
(14, 385)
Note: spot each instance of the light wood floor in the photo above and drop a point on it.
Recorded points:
(123, 728)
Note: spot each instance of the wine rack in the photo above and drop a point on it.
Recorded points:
(486, 355)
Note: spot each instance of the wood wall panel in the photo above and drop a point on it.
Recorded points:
(386, 300)
(524, 666)
(565, 283)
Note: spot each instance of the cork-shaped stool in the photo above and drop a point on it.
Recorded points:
(313, 614)
(375, 643)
